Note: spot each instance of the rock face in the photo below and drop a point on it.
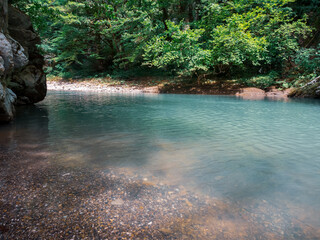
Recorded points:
(21, 65)
(310, 90)
(7, 101)
(29, 83)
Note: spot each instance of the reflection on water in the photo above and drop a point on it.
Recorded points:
(246, 152)
(29, 130)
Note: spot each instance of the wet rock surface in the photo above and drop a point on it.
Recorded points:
(42, 199)
(7, 101)
(21, 65)
(29, 83)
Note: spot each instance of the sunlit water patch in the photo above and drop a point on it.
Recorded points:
(261, 156)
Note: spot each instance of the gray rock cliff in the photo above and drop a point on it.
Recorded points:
(22, 80)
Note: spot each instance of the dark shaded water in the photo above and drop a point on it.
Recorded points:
(241, 151)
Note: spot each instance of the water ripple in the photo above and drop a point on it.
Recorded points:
(222, 146)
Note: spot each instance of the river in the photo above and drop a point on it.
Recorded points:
(262, 157)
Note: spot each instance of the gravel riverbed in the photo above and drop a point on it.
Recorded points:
(41, 198)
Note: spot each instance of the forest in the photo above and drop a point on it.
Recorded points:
(259, 43)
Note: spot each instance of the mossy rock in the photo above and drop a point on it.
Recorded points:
(310, 91)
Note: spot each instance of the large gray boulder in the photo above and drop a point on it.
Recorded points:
(21, 66)
(12, 58)
(12, 54)
(6, 54)
(29, 83)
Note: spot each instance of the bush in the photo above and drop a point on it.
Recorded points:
(305, 66)
(308, 60)
(178, 50)
(261, 81)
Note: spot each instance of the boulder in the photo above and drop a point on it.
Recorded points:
(20, 59)
(2, 68)
(22, 79)
(251, 93)
(12, 58)
(274, 92)
(20, 28)
(18, 19)
(7, 101)
(6, 53)
(29, 84)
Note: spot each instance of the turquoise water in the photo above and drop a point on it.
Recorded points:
(243, 151)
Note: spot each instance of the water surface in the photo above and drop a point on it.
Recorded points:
(241, 151)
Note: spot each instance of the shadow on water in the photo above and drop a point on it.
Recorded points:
(28, 130)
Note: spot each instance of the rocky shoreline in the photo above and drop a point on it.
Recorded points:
(95, 86)
(136, 87)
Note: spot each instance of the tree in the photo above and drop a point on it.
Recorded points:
(187, 38)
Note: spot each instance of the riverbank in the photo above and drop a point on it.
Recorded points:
(96, 85)
(164, 86)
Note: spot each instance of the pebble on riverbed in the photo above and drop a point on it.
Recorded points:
(88, 86)
(43, 200)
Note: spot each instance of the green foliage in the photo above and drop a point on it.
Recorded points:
(255, 33)
(178, 49)
(261, 81)
(302, 7)
(308, 60)
(306, 66)
(235, 44)
(186, 38)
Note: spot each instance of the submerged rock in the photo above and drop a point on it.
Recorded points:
(117, 202)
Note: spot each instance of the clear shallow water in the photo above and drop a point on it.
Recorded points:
(240, 150)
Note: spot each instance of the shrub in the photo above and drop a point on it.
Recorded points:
(308, 60)
(261, 81)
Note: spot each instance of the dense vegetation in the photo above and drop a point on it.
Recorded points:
(270, 40)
